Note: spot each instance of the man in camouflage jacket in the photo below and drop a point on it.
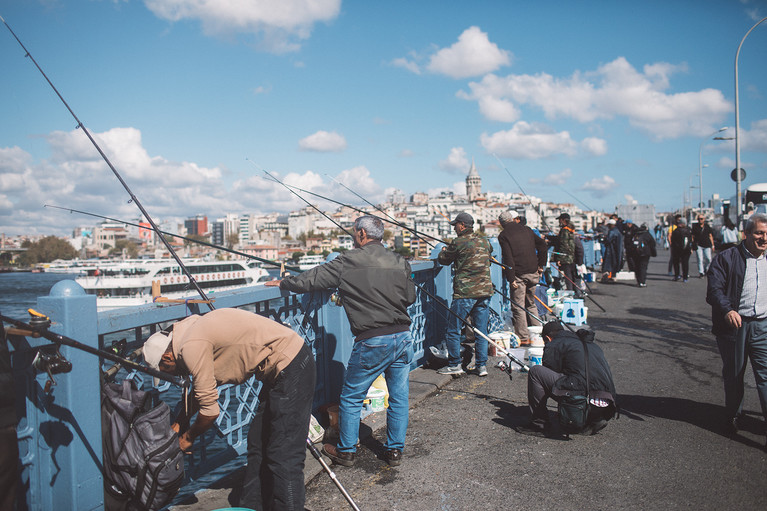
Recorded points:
(470, 255)
(565, 252)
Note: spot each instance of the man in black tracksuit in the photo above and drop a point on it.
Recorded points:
(564, 370)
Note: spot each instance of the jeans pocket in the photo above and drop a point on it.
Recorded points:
(372, 355)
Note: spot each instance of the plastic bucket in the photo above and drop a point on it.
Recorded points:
(536, 335)
(535, 356)
(376, 397)
(501, 339)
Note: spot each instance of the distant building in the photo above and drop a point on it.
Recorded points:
(638, 213)
(197, 225)
(473, 183)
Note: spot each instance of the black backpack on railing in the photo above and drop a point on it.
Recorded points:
(143, 463)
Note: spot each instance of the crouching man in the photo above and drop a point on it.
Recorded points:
(230, 346)
(564, 370)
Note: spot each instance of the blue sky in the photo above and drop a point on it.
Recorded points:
(607, 102)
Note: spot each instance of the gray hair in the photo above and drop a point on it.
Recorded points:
(756, 218)
(507, 217)
(372, 225)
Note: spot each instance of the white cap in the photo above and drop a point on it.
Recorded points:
(154, 347)
(611, 221)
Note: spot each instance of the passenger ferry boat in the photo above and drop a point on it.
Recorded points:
(308, 262)
(128, 283)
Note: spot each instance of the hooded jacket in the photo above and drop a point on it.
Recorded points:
(565, 354)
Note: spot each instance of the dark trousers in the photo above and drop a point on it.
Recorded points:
(568, 270)
(9, 467)
(540, 382)
(274, 477)
(682, 258)
(749, 342)
(640, 268)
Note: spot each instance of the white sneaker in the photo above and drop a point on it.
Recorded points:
(453, 370)
(482, 370)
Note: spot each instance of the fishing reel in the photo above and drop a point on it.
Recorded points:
(335, 298)
(50, 360)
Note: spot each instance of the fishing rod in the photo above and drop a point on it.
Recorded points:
(577, 199)
(537, 208)
(391, 219)
(133, 197)
(333, 477)
(39, 325)
(200, 242)
(306, 201)
(587, 295)
(476, 331)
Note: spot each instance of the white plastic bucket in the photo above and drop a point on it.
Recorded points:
(536, 335)
(376, 397)
(535, 356)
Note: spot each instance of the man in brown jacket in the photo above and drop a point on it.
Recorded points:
(230, 346)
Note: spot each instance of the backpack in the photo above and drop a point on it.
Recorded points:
(143, 463)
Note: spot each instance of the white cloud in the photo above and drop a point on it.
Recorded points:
(280, 25)
(76, 177)
(323, 142)
(615, 89)
(600, 186)
(558, 179)
(406, 153)
(456, 161)
(529, 141)
(404, 63)
(755, 138)
(594, 146)
(472, 55)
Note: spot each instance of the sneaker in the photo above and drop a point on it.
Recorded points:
(642, 285)
(685, 280)
(482, 370)
(676, 279)
(340, 458)
(453, 370)
(393, 457)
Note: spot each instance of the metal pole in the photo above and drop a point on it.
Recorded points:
(737, 127)
(700, 167)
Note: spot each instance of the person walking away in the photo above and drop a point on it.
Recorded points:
(643, 247)
(671, 229)
(564, 370)
(565, 248)
(376, 290)
(470, 255)
(628, 231)
(681, 249)
(229, 346)
(613, 252)
(524, 256)
(730, 235)
(703, 241)
(737, 293)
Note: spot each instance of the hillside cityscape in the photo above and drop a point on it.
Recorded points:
(410, 222)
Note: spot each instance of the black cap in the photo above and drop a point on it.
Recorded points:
(564, 216)
(464, 218)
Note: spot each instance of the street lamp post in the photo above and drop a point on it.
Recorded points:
(737, 126)
(700, 166)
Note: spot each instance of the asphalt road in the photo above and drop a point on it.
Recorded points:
(664, 452)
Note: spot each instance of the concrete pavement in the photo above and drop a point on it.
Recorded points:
(665, 451)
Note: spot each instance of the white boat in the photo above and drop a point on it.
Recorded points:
(128, 283)
(71, 266)
(308, 262)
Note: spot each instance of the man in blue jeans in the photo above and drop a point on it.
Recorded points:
(470, 255)
(375, 289)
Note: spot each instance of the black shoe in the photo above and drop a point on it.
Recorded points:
(393, 457)
(341, 458)
(533, 428)
(595, 428)
(731, 426)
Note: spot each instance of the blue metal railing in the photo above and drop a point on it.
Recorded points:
(60, 434)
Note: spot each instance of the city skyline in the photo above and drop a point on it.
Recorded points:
(582, 103)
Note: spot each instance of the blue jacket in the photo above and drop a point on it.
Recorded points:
(725, 285)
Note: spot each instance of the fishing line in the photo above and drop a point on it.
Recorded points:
(192, 240)
(133, 197)
(537, 208)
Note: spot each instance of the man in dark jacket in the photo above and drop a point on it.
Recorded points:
(703, 240)
(643, 247)
(564, 370)
(611, 263)
(565, 248)
(375, 289)
(469, 254)
(737, 293)
(524, 257)
(681, 248)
